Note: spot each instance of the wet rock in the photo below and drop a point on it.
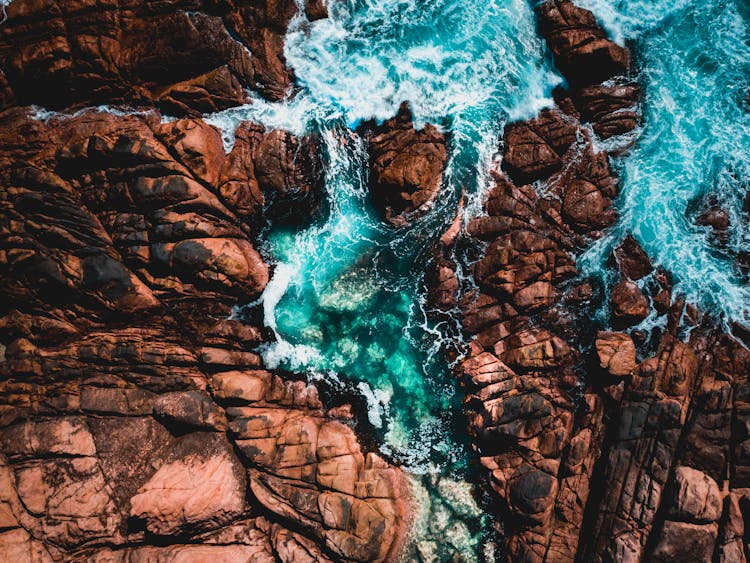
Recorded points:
(584, 206)
(611, 108)
(632, 259)
(582, 51)
(616, 353)
(316, 10)
(718, 220)
(534, 148)
(629, 305)
(406, 166)
(288, 172)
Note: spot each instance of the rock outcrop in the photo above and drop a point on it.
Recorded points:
(406, 166)
(137, 421)
(185, 56)
(130, 409)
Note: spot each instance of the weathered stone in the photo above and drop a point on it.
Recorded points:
(191, 494)
(629, 305)
(616, 353)
(187, 410)
(406, 166)
(696, 497)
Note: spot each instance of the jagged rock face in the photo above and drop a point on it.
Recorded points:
(406, 166)
(582, 51)
(187, 56)
(596, 447)
(136, 422)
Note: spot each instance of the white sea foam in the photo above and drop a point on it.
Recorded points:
(377, 403)
(294, 115)
(3, 8)
(43, 114)
(627, 19)
(368, 57)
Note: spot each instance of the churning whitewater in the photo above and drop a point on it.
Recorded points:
(694, 63)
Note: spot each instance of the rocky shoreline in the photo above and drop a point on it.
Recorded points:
(139, 423)
(597, 446)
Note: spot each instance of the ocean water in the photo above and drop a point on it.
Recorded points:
(694, 64)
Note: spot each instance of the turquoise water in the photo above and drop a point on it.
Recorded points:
(694, 58)
(347, 300)
(352, 303)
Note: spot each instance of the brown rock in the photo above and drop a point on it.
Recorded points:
(633, 261)
(534, 149)
(731, 543)
(582, 51)
(287, 170)
(191, 494)
(696, 497)
(681, 541)
(406, 166)
(131, 241)
(241, 387)
(188, 410)
(190, 57)
(616, 353)
(584, 206)
(629, 305)
(612, 108)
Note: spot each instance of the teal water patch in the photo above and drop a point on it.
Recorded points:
(349, 309)
(694, 60)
